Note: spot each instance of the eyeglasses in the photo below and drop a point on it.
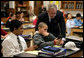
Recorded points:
(45, 29)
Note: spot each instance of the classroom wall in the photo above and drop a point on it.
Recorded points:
(31, 3)
(12, 4)
(45, 3)
(74, 12)
(58, 3)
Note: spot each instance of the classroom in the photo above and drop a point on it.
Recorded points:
(41, 28)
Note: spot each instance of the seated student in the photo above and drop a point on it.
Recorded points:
(69, 23)
(42, 38)
(9, 15)
(13, 17)
(3, 34)
(77, 20)
(21, 17)
(14, 44)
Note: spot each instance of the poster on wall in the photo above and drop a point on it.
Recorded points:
(12, 4)
(55, 2)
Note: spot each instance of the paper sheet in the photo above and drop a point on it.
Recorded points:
(33, 52)
(57, 46)
(74, 37)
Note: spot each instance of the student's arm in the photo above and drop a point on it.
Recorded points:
(31, 48)
(51, 36)
(76, 23)
(81, 22)
(38, 40)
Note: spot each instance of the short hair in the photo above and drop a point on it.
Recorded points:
(15, 24)
(42, 24)
(67, 15)
(78, 15)
(51, 6)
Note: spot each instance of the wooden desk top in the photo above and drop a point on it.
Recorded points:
(27, 22)
(81, 27)
(80, 30)
(69, 53)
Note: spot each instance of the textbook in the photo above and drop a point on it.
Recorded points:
(53, 51)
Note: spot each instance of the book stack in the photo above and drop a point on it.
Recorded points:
(52, 51)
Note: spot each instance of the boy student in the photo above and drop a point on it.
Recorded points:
(77, 20)
(43, 38)
(14, 44)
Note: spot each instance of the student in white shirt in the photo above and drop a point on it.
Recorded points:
(10, 45)
(69, 23)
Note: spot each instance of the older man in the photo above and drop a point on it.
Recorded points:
(55, 21)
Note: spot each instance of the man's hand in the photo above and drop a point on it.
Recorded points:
(61, 42)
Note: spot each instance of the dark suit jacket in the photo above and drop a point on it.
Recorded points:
(56, 26)
(40, 10)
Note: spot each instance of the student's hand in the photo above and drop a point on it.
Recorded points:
(2, 36)
(45, 33)
(31, 48)
(57, 41)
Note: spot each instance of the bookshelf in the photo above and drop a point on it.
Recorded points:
(72, 5)
(22, 6)
(4, 8)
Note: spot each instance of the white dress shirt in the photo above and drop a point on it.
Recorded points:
(11, 46)
(49, 18)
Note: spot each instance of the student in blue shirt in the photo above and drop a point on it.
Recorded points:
(77, 20)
